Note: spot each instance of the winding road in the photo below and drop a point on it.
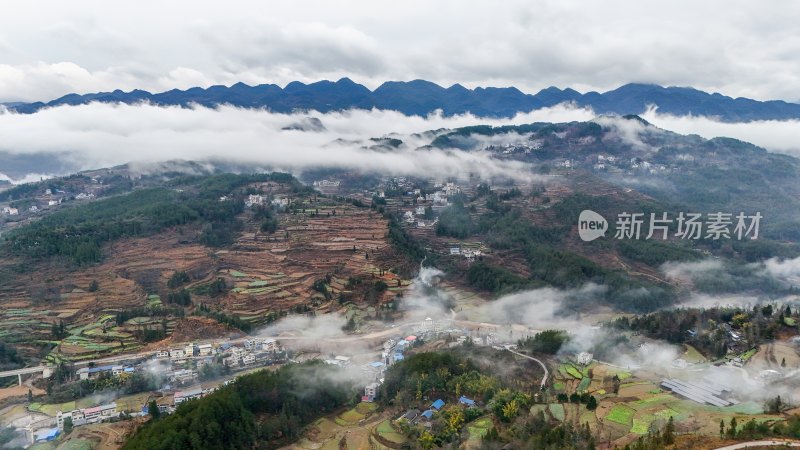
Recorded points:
(546, 372)
(751, 444)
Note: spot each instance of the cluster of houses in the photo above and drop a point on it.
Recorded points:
(255, 199)
(415, 218)
(519, 147)
(469, 253)
(327, 186)
(91, 373)
(187, 351)
(252, 352)
(54, 200)
(86, 416)
(437, 200)
(414, 416)
(394, 350)
(605, 162)
(279, 201)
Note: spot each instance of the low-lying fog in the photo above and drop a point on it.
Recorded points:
(65, 139)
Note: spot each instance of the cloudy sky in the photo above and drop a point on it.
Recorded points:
(740, 48)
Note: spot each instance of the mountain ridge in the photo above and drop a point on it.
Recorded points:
(421, 97)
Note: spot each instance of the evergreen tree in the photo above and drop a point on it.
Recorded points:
(152, 409)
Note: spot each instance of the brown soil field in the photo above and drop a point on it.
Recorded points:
(266, 274)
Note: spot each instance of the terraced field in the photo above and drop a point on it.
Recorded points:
(266, 276)
(638, 406)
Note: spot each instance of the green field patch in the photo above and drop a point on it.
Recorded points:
(351, 416)
(790, 321)
(573, 372)
(623, 375)
(557, 410)
(650, 401)
(153, 300)
(53, 409)
(558, 386)
(746, 408)
(386, 431)
(140, 320)
(537, 408)
(478, 429)
(43, 446)
(259, 290)
(621, 414)
(237, 274)
(666, 413)
(259, 283)
(584, 384)
(366, 407)
(641, 425)
(77, 444)
(749, 354)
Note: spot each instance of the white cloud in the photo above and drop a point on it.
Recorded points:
(103, 135)
(739, 48)
(776, 135)
(686, 271)
(783, 269)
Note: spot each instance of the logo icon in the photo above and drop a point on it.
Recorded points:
(591, 225)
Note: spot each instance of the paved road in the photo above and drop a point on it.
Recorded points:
(751, 444)
(546, 372)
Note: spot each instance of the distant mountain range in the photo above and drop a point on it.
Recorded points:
(421, 97)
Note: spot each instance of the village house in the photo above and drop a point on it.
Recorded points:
(280, 202)
(177, 354)
(183, 376)
(370, 392)
(269, 345)
(205, 349)
(182, 396)
(253, 200)
(86, 416)
(90, 373)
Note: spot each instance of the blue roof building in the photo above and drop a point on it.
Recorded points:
(46, 435)
(427, 414)
(100, 369)
(438, 404)
(466, 401)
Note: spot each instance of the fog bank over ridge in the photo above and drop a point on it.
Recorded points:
(66, 139)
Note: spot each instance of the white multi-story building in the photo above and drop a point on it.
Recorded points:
(205, 349)
(177, 354)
